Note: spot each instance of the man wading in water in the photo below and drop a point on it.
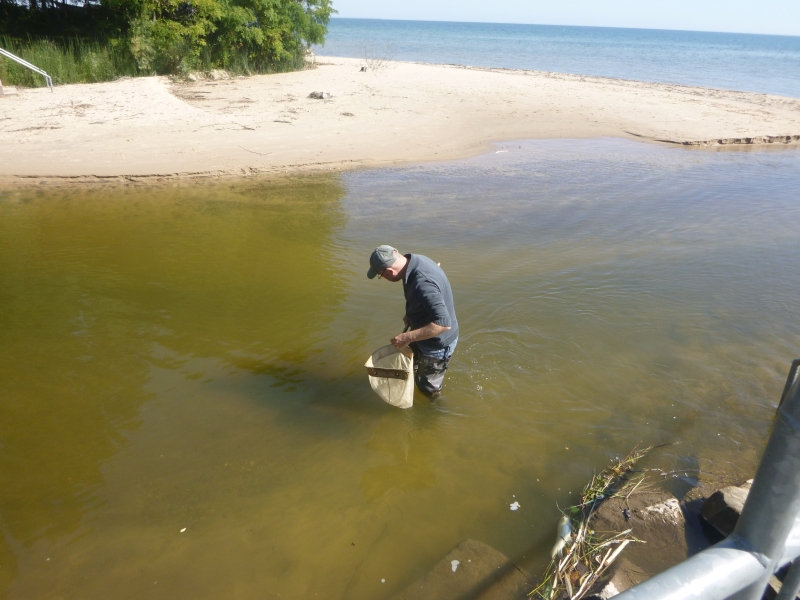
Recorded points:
(429, 313)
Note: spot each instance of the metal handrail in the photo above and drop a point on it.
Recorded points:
(25, 63)
(767, 535)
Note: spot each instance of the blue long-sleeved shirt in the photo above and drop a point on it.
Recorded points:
(429, 299)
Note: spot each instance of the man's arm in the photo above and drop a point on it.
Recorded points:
(427, 332)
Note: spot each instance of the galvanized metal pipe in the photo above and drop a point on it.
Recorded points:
(773, 502)
(713, 574)
(792, 548)
(791, 583)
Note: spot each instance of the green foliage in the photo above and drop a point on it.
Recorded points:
(176, 36)
(60, 21)
(270, 33)
(73, 61)
(168, 36)
(164, 37)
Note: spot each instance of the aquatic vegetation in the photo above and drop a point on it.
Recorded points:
(579, 560)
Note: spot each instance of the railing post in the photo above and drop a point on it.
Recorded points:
(773, 502)
(791, 583)
(47, 79)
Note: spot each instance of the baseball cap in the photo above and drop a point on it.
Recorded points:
(381, 257)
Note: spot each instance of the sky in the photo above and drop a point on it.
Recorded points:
(777, 17)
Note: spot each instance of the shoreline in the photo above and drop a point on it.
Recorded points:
(279, 174)
(151, 128)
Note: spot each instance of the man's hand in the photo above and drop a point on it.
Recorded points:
(430, 330)
(401, 340)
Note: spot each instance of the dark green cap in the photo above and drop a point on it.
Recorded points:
(382, 257)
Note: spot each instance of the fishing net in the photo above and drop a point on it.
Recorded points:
(391, 375)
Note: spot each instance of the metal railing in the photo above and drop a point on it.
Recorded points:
(48, 80)
(767, 535)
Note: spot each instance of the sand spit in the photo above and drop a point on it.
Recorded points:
(151, 128)
(762, 140)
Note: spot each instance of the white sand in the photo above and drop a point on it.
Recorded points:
(404, 112)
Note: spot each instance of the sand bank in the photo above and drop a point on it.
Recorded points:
(403, 112)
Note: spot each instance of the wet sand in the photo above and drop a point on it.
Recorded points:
(405, 112)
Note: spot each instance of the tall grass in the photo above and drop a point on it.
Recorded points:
(78, 61)
(237, 62)
(71, 61)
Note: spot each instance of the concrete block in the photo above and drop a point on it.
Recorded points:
(723, 507)
(654, 517)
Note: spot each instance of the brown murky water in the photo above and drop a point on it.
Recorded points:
(191, 358)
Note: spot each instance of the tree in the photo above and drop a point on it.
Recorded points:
(169, 36)
(268, 33)
(177, 36)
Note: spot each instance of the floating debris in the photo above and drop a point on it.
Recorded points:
(454, 564)
(563, 537)
(580, 559)
(515, 505)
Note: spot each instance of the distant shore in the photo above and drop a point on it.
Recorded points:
(153, 128)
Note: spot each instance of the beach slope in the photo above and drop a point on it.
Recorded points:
(153, 127)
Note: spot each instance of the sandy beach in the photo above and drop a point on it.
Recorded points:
(404, 112)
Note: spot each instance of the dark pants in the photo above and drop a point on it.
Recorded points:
(429, 370)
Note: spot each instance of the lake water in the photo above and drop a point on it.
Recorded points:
(754, 63)
(191, 358)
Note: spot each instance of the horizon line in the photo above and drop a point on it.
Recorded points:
(565, 25)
